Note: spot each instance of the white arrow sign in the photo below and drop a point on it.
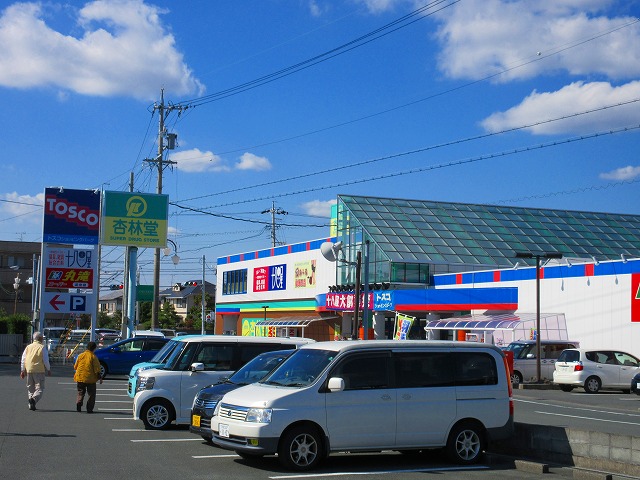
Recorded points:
(68, 303)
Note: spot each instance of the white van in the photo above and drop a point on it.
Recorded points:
(525, 365)
(165, 394)
(369, 396)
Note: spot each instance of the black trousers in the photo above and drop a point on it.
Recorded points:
(90, 390)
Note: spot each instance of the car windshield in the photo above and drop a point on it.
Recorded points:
(301, 368)
(258, 368)
(520, 350)
(164, 352)
(175, 356)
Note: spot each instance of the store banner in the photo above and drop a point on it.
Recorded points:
(305, 274)
(135, 219)
(635, 297)
(403, 325)
(271, 278)
(71, 216)
(69, 268)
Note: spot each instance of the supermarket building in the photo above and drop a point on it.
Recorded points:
(447, 271)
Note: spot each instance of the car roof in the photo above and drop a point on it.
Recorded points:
(244, 339)
(338, 346)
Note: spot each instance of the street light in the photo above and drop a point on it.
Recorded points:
(175, 258)
(16, 286)
(538, 256)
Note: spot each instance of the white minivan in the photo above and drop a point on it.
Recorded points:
(165, 394)
(369, 396)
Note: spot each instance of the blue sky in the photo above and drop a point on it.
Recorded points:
(291, 103)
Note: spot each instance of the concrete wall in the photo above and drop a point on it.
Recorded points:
(579, 448)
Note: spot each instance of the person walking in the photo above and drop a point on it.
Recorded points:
(33, 365)
(87, 374)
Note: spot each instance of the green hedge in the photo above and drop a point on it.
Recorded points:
(18, 323)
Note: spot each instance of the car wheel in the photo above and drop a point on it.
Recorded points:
(592, 385)
(566, 388)
(300, 448)
(466, 443)
(157, 414)
(103, 370)
(516, 378)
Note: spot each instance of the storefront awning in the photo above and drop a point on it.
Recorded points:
(514, 326)
(293, 321)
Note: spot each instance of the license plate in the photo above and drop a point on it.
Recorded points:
(195, 420)
(223, 430)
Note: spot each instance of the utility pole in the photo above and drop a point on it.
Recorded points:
(273, 211)
(159, 160)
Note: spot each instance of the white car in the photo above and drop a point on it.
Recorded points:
(594, 369)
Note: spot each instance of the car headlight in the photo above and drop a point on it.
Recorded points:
(145, 383)
(259, 415)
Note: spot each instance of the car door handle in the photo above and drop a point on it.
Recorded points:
(386, 397)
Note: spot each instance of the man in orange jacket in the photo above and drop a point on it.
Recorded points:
(87, 374)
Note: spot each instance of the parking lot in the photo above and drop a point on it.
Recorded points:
(56, 442)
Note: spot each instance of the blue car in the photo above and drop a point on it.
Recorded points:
(117, 359)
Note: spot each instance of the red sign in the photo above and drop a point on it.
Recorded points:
(69, 278)
(635, 297)
(261, 279)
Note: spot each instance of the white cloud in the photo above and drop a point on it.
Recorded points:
(484, 37)
(249, 161)
(197, 161)
(574, 98)
(23, 208)
(123, 50)
(624, 173)
(319, 208)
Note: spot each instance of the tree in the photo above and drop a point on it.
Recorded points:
(167, 317)
(194, 315)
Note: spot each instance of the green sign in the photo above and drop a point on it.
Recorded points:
(135, 219)
(144, 293)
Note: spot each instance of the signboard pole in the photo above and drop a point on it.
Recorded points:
(133, 289)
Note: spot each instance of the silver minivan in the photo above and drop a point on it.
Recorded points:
(525, 365)
(370, 396)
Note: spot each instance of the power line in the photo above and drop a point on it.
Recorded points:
(438, 166)
(411, 152)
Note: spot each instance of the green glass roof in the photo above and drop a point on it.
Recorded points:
(419, 231)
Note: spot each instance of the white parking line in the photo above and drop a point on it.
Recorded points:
(383, 472)
(588, 418)
(116, 409)
(580, 408)
(231, 455)
(118, 418)
(114, 401)
(129, 430)
(169, 440)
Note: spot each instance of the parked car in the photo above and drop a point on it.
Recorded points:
(117, 359)
(207, 398)
(594, 369)
(371, 396)
(525, 364)
(166, 394)
(635, 384)
(157, 361)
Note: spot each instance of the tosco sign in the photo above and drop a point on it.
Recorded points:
(71, 216)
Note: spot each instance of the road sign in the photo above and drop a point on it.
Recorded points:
(68, 303)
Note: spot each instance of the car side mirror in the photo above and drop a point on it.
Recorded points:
(531, 355)
(197, 367)
(336, 384)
